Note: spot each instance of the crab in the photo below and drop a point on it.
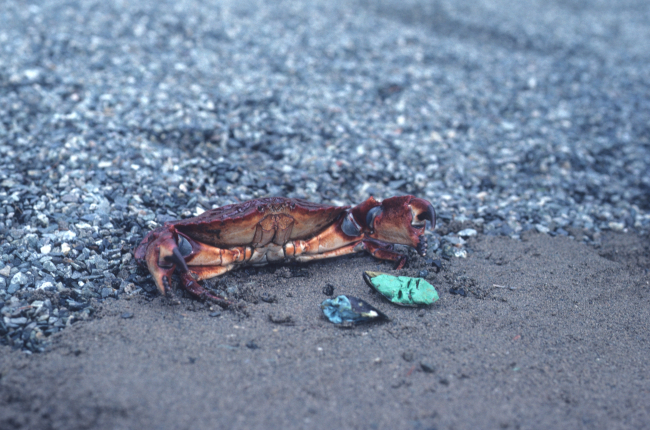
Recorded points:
(274, 229)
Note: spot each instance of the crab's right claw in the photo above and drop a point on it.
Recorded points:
(422, 212)
(156, 251)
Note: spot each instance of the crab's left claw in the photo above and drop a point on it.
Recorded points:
(401, 220)
(156, 251)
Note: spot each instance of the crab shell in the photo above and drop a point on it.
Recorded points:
(276, 228)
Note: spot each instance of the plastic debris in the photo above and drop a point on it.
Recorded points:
(402, 290)
(348, 309)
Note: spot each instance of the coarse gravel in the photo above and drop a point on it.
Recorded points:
(118, 116)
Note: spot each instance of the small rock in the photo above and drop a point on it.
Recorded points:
(65, 248)
(468, 232)
(20, 279)
(42, 218)
(437, 265)
(252, 345)
(427, 367)
(215, 314)
(423, 273)
(506, 230)
(542, 229)
(126, 258)
(459, 291)
(460, 253)
(49, 266)
(127, 315)
(454, 240)
(280, 318)
(66, 235)
(5, 271)
(449, 251)
(328, 290)
(18, 321)
(616, 226)
(46, 249)
(41, 285)
(13, 288)
(408, 356)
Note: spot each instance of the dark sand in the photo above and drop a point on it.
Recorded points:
(566, 347)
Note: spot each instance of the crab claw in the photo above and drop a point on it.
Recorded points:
(156, 252)
(401, 220)
(422, 212)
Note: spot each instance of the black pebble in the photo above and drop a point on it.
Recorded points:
(328, 290)
(459, 291)
(252, 345)
(427, 367)
(423, 273)
(437, 265)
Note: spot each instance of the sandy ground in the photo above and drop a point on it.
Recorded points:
(565, 345)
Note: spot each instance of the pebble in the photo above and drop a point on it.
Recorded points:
(458, 291)
(468, 232)
(328, 290)
(437, 265)
(616, 226)
(20, 279)
(454, 240)
(427, 367)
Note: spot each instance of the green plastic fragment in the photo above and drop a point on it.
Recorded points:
(402, 290)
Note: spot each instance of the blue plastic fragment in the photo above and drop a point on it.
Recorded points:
(349, 309)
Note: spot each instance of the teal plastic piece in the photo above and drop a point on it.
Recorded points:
(402, 290)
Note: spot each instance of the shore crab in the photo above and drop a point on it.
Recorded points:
(273, 229)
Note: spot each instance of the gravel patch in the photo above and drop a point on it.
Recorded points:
(117, 117)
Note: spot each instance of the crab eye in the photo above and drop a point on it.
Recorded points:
(350, 226)
(184, 246)
(370, 218)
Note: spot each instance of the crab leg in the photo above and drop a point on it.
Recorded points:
(190, 284)
(161, 274)
(350, 249)
(384, 251)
